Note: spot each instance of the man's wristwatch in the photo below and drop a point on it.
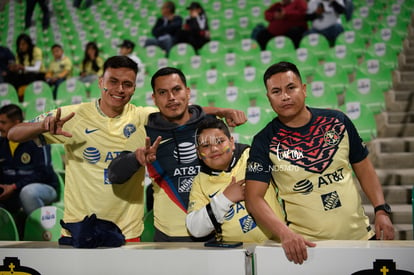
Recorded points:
(385, 207)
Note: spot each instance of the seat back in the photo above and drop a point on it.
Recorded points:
(37, 89)
(316, 43)
(8, 227)
(39, 106)
(8, 94)
(363, 119)
(149, 230)
(282, 46)
(43, 224)
(71, 91)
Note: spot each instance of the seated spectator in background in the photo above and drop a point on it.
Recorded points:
(288, 18)
(195, 29)
(325, 17)
(92, 64)
(29, 66)
(166, 27)
(127, 48)
(6, 59)
(220, 187)
(27, 178)
(30, 7)
(59, 69)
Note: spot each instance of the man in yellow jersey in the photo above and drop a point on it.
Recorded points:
(176, 161)
(94, 133)
(311, 155)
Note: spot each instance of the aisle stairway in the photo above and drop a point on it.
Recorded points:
(392, 153)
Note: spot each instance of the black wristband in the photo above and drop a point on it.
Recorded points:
(213, 219)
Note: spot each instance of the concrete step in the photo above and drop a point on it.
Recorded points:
(392, 145)
(399, 100)
(394, 160)
(395, 124)
(396, 177)
(407, 76)
(406, 85)
(401, 213)
(403, 231)
(393, 195)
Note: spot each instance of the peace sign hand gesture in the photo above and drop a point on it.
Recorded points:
(54, 124)
(148, 154)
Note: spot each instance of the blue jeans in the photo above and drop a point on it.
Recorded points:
(36, 195)
(330, 33)
(165, 42)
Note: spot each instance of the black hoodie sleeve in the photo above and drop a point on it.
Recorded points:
(337, 7)
(123, 167)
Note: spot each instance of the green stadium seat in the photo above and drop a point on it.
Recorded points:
(390, 37)
(247, 49)
(94, 90)
(257, 118)
(376, 70)
(8, 226)
(71, 91)
(363, 119)
(317, 43)
(337, 78)
(213, 51)
(8, 94)
(344, 57)
(60, 202)
(43, 224)
(359, 26)
(281, 46)
(230, 65)
(35, 90)
(143, 93)
(181, 54)
(149, 229)
(195, 68)
(367, 92)
(40, 106)
(320, 95)
(306, 61)
(384, 52)
(57, 153)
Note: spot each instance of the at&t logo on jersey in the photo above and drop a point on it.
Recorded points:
(91, 155)
(305, 186)
(185, 152)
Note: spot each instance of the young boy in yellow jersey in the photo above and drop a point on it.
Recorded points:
(220, 187)
(59, 69)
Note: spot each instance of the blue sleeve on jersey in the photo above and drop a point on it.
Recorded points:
(357, 150)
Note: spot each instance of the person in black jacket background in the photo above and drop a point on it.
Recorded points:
(195, 29)
(27, 178)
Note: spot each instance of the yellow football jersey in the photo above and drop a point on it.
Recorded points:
(96, 140)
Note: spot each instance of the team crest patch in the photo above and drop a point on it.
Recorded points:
(129, 129)
(331, 201)
(25, 158)
(331, 138)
